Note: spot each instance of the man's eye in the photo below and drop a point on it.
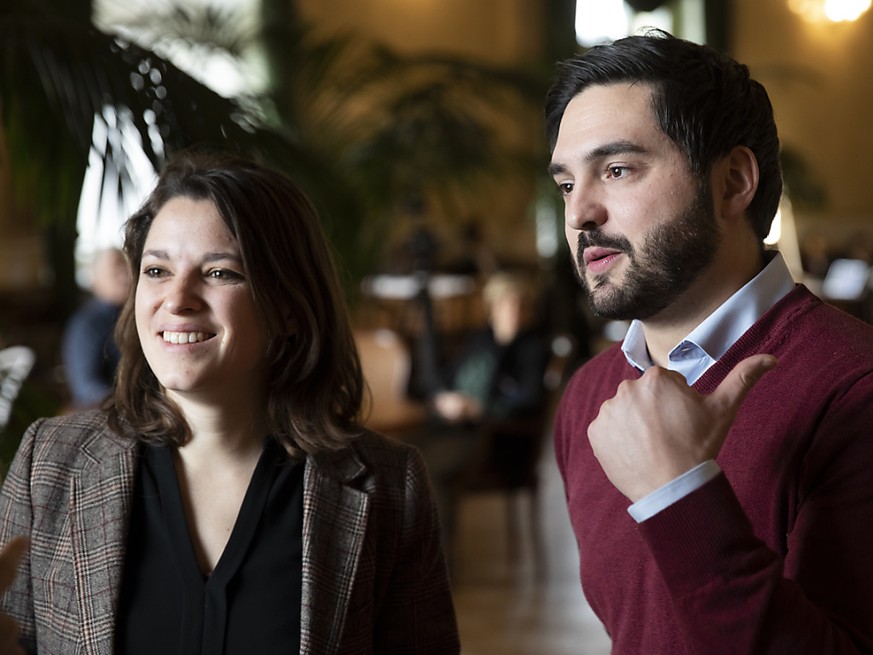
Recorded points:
(617, 171)
(565, 187)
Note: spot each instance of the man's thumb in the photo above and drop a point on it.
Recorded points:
(736, 386)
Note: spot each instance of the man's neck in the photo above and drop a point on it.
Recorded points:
(670, 326)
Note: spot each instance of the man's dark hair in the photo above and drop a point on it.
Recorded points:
(703, 100)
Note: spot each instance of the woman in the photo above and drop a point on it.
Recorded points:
(226, 499)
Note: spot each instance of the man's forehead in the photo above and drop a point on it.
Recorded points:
(599, 118)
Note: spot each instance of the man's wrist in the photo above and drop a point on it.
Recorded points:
(664, 496)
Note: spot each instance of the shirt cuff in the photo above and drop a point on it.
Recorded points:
(662, 497)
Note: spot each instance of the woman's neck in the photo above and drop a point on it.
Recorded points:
(228, 430)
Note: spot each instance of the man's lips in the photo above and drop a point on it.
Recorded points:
(599, 257)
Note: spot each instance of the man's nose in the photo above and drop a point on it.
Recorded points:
(584, 209)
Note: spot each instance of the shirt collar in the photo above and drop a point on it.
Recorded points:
(706, 343)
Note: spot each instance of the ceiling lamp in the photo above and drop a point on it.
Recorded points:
(831, 10)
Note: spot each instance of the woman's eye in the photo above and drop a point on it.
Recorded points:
(223, 274)
(151, 271)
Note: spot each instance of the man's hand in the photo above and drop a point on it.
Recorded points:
(656, 428)
(9, 559)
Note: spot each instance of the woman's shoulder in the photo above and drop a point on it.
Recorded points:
(73, 423)
(86, 431)
(372, 455)
(376, 448)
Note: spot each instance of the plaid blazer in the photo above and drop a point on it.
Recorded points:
(374, 575)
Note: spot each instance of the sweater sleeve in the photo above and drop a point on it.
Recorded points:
(734, 594)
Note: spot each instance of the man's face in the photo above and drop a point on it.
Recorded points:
(641, 226)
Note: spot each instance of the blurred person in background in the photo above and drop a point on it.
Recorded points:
(89, 354)
(498, 374)
(496, 378)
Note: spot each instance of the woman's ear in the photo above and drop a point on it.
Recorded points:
(737, 178)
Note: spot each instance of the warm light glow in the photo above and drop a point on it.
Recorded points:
(598, 21)
(832, 10)
(775, 230)
(601, 20)
(783, 236)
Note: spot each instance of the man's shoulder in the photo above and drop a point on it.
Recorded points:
(806, 320)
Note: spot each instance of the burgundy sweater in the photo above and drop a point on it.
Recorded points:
(774, 555)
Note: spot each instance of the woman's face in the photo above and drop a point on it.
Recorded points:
(197, 322)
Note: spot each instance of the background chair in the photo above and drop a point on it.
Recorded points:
(507, 461)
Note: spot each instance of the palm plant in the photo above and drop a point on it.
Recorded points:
(389, 128)
(60, 74)
(360, 128)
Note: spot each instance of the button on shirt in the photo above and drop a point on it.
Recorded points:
(693, 356)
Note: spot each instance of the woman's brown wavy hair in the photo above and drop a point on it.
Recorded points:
(315, 381)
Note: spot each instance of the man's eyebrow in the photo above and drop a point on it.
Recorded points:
(555, 169)
(620, 147)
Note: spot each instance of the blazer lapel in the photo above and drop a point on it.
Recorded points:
(100, 502)
(334, 524)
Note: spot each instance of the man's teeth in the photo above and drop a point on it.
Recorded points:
(185, 337)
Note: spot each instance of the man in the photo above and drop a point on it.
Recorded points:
(715, 513)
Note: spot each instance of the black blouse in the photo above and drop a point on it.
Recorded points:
(251, 601)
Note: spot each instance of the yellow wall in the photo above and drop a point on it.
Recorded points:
(495, 31)
(825, 115)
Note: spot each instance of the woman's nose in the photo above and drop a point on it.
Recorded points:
(183, 294)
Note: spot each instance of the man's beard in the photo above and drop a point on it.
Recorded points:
(660, 270)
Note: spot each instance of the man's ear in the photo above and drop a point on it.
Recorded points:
(737, 180)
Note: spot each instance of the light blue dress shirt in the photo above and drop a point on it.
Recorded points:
(693, 356)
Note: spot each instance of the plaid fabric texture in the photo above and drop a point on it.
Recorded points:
(374, 576)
